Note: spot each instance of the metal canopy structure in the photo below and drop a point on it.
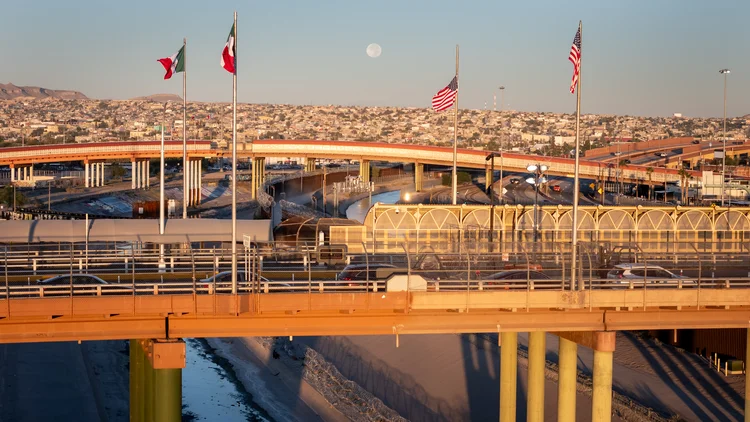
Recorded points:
(146, 230)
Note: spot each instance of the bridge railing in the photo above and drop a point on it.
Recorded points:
(459, 262)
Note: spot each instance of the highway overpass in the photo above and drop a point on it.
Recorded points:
(21, 159)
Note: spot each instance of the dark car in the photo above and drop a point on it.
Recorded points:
(515, 278)
(223, 282)
(515, 181)
(83, 284)
(359, 272)
(65, 280)
(696, 141)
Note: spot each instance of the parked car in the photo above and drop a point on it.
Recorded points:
(515, 278)
(355, 274)
(65, 280)
(639, 273)
(83, 285)
(661, 154)
(224, 280)
(696, 141)
(556, 188)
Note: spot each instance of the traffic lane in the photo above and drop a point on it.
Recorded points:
(505, 183)
(45, 381)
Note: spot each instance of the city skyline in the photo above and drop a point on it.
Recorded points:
(640, 59)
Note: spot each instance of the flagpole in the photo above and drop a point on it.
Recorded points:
(161, 183)
(455, 136)
(184, 131)
(576, 181)
(234, 163)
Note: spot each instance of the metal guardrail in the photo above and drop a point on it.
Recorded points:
(133, 269)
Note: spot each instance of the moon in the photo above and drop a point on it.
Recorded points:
(374, 50)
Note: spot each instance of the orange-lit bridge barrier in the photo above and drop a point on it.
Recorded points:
(156, 309)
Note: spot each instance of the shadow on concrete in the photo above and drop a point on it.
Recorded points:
(396, 389)
(680, 390)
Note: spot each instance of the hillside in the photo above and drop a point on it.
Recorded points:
(10, 91)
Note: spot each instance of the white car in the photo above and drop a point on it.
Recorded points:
(651, 274)
(224, 279)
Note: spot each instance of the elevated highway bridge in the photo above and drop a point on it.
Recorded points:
(676, 151)
(21, 159)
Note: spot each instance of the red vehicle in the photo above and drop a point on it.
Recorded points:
(556, 188)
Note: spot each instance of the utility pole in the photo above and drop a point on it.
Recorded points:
(724, 72)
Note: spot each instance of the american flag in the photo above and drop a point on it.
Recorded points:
(445, 98)
(575, 58)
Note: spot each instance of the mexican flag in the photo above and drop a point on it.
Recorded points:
(228, 54)
(174, 64)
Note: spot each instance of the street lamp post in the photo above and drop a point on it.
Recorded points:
(502, 96)
(491, 191)
(724, 72)
(538, 171)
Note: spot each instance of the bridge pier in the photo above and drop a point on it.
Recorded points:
(603, 345)
(194, 182)
(310, 165)
(199, 181)
(508, 372)
(144, 174)
(364, 171)
(156, 380)
(536, 379)
(567, 380)
(258, 175)
(418, 177)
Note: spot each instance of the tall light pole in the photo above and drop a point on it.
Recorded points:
(538, 171)
(491, 191)
(502, 96)
(724, 72)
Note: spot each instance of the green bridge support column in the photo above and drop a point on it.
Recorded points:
(148, 388)
(168, 395)
(137, 381)
(156, 380)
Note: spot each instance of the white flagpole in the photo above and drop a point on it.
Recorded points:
(161, 183)
(455, 137)
(184, 131)
(234, 163)
(576, 181)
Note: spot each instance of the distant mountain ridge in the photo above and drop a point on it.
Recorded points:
(159, 98)
(10, 91)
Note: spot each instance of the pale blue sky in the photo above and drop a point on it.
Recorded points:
(640, 57)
